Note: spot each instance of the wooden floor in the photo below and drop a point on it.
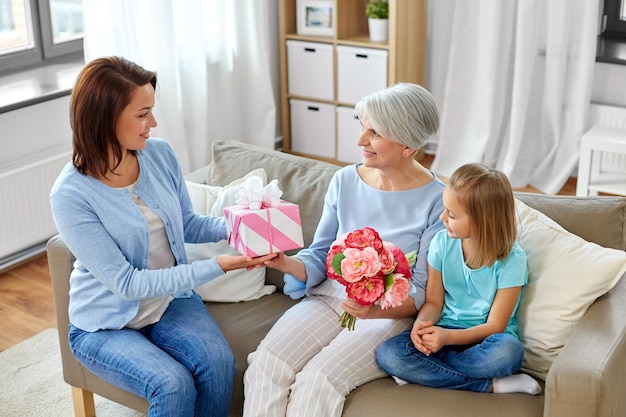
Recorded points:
(26, 300)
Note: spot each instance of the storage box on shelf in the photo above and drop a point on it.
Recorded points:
(333, 70)
(348, 128)
(310, 69)
(360, 71)
(313, 128)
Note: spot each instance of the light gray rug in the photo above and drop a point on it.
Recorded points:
(31, 382)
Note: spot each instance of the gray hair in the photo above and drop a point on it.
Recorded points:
(405, 113)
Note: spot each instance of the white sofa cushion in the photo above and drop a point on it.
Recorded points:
(233, 286)
(566, 275)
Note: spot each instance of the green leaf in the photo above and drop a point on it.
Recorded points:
(337, 262)
(377, 9)
(388, 281)
(411, 257)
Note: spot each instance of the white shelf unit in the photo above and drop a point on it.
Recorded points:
(338, 70)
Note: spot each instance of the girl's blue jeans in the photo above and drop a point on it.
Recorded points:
(182, 365)
(470, 368)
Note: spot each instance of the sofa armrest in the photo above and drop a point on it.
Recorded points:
(589, 375)
(60, 265)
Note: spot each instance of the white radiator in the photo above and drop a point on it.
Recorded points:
(25, 216)
(609, 116)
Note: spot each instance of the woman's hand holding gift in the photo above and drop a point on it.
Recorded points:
(230, 262)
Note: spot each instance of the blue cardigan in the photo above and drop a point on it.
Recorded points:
(109, 236)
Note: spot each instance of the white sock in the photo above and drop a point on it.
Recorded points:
(399, 381)
(516, 383)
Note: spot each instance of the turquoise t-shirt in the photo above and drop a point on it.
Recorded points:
(469, 293)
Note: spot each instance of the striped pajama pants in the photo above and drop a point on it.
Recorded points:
(307, 363)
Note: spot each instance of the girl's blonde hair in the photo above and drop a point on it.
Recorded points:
(487, 196)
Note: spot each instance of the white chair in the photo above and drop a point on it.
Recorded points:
(591, 179)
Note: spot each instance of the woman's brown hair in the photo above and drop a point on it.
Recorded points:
(103, 89)
(487, 196)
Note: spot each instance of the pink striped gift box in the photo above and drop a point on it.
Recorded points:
(266, 230)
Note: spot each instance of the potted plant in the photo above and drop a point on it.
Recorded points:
(377, 12)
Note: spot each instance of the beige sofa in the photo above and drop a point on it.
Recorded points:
(587, 379)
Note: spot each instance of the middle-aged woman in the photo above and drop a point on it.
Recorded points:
(307, 364)
(123, 210)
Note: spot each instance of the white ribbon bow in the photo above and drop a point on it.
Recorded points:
(254, 196)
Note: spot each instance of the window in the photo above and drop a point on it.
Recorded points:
(615, 18)
(34, 31)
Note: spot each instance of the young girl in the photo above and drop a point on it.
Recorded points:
(465, 335)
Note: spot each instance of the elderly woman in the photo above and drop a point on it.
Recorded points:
(308, 362)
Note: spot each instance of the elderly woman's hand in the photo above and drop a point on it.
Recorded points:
(406, 310)
(288, 265)
(359, 311)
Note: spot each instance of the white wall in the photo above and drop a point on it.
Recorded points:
(608, 79)
(35, 144)
(34, 129)
(609, 86)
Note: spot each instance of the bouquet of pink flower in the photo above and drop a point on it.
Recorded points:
(372, 270)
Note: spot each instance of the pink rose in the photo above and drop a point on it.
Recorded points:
(340, 241)
(367, 290)
(359, 263)
(402, 264)
(396, 294)
(387, 259)
(366, 237)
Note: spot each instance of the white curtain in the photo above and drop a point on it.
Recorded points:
(213, 59)
(516, 86)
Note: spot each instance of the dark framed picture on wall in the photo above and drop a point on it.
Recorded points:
(316, 17)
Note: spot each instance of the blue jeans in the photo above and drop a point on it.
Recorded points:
(470, 368)
(182, 365)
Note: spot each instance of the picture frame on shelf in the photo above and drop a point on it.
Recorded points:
(315, 17)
